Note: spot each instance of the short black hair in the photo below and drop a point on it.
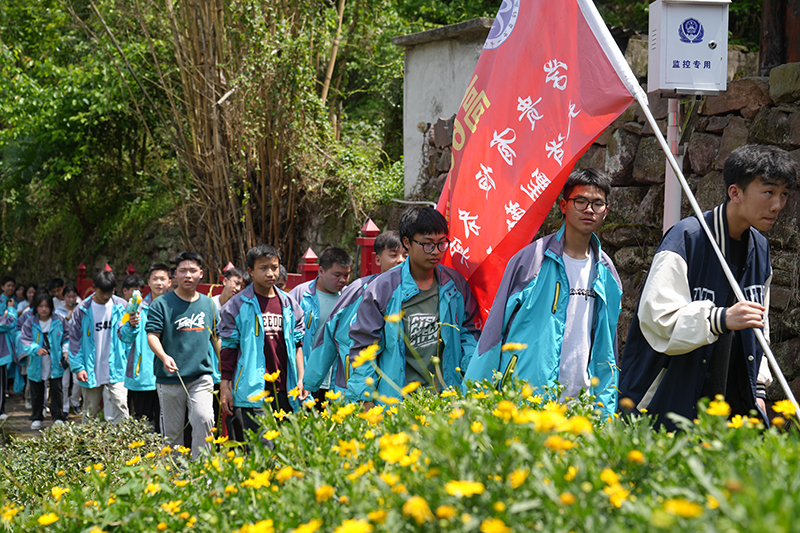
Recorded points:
(234, 272)
(55, 283)
(388, 240)
(751, 161)
(6, 279)
(159, 267)
(69, 288)
(188, 256)
(258, 251)
(587, 177)
(105, 281)
(334, 256)
(282, 273)
(132, 282)
(42, 295)
(423, 221)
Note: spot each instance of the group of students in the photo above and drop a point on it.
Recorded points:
(553, 322)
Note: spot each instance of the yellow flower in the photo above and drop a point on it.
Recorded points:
(264, 526)
(9, 512)
(367, 354)
(389, 478)
(446, 512)
(47, 519)
(360, 471)
(411, 387)
(577, 425)
(513, 347)
(231, 489)
(272, 434)
(180, 482)
(309, 527)
(499, 506)
(133, 461)
(379, 516)
(280, 415)
(58, 492)
(96, 529)
(355, 526)
(263, 395)
(343, 412)
(683, 507)
(609, 477)
(456, 413)
(616, 494)
(258, 479)
(324, 493)
(172, 507)
(393, 447)
(152, 488)
(294, 393)
(571, 473)
(778, 421)
(183, 450)
(505, 410)
(374, 415)
(347, 448)
(567, 498)
(333, 395)
(494, 525)
(476, 427)
(517, 478)
(272, 378)
(394, 318)
(479, 395)
(718, 407)
(784, 407)
(448, 393)
(712, 502)
(161, 526)
(464, 488)
(558, 444)
(286, 473)
(137, 444)
(417, 508)
(736, 422)
(635, 456)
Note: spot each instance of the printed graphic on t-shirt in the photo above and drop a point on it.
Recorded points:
(196, 322)
(422, 330)
(100, 326)
(586, 293)
(273, 325)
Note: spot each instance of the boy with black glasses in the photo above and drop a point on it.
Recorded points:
(434, 306)
(560, 296)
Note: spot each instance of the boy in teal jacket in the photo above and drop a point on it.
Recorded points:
(262, 332)
(98, 356)
(438, 316)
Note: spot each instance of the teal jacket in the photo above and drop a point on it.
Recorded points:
(81, 343)
(241, 327)
(32, 339)
(139, 374)
(8, 322)
(531, 308)
(385, 296)
(306, 295)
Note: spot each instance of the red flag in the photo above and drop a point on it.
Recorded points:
(549, 80)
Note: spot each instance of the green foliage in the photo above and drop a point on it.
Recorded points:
(481, 462)
(30, 467)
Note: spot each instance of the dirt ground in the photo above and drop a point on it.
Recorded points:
(18, 423)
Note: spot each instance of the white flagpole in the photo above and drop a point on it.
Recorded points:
(773, 363)
(627, 77)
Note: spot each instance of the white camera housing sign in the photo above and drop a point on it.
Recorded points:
(688, 48)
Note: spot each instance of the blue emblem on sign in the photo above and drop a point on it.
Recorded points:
(691, 31)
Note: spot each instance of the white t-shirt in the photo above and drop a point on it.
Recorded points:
(102, 340)
(577, 343)
(215, 299)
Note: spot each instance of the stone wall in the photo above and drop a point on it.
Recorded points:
(752, 110)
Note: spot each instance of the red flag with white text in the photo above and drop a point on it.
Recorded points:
(549, 80)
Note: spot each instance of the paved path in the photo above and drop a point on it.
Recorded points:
(18, 423)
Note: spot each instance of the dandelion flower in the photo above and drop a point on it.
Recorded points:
(517, 478)
(355, 526)
(272, 378)
(417, 508)
(494, 525)
(58, 492)
(464, 488)
(784, 407)
(718, 407)
(411, 387)
(683, 508)
(567, 498)
(635, 456)
(379, 516)
(152, 488)
(47, 519)
(309, 527)
(446, 512)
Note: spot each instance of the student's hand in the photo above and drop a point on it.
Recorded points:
(42, 352)
(134, 320)
(169, 364)
(225, 397)
(762, 404)
(303, 393)
(743, 315)
(82, 376)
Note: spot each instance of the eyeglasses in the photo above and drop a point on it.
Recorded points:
(581, 203)
(429, 247)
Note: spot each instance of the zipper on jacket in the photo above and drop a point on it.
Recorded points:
(138, 365)
(555, 300)
(239, 377)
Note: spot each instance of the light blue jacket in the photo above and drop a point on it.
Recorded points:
(139, 374)
(241, 327)
(81, 343)
(33, 339)
(8, 322)
(531, 308)
(306, 295)
(335, 341)
(385, 296)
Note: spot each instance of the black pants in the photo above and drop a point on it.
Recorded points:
(243, 418)
(56, 400)
(145, 405)
(3, 387)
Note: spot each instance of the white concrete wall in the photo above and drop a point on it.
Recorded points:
(436, 76)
